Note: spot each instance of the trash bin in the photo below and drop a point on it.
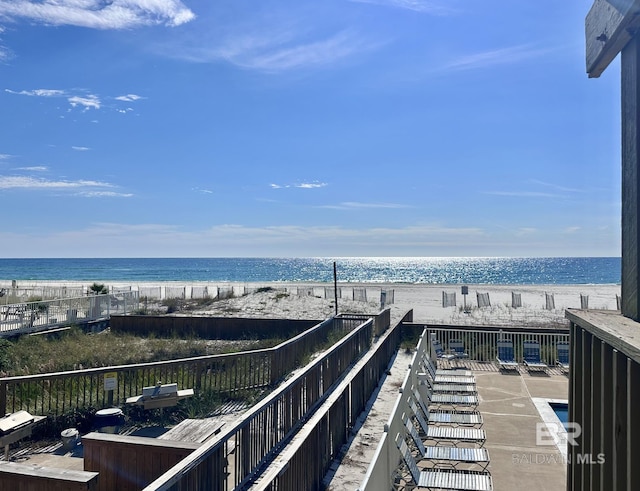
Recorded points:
(70, 438)
(109, 420)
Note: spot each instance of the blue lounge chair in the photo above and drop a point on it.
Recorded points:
(531, 356)
(440, 353)
(456, 346)
(506, 358)
(563, 356)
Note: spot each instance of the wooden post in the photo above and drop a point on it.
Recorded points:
(611, 27)
(630, 184)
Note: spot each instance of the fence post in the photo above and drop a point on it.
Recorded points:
(3, 398)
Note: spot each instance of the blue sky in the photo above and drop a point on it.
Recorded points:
(150, 128)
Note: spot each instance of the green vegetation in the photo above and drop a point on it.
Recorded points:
(75, 350)
(98, 289)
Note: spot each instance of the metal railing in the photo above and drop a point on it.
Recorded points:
(27, 317)
(481, 342)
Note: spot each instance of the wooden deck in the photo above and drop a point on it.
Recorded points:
(194, 430)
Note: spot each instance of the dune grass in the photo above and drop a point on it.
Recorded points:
(74, 350)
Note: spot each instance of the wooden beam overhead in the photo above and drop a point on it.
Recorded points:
(609, 26)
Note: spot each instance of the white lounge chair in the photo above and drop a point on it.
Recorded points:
(453, 456)
(443, 478)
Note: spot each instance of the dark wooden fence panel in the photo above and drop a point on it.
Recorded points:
(128, 463)
(209, 327)
(225, 375)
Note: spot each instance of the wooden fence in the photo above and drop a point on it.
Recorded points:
(54, 394)
(306, 461)
(240, 454)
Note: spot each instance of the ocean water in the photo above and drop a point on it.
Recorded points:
(488, 270)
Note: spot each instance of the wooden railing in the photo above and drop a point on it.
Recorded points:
(323, 435)
(54, 394)
(238, 456)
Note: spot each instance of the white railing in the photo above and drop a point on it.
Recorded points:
(24, 317)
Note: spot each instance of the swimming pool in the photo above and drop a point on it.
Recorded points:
(562, 411)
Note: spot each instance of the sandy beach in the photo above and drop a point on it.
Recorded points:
(425, 300)
(316, 300)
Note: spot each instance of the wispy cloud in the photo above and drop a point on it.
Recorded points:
(321, 52)
(38, 92)
(81, 149)
(487, 59)
(128, 98)
(104, 194)
(84, 188)
(424, 6)
(4, 156)
(26, 182)
(89, 102)
(35, 168)
(557, 187)
(79, 99)
(354, 205)
(301, 185)
(99, 14)
(523, 194)
(572, 230)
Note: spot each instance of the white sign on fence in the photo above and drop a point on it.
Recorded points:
(110, 381)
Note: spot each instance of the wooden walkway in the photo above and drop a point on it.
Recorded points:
(193, 430)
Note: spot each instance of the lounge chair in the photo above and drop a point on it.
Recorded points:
(443, 478)
(440, 416)
(445, 388)
(506, 358)
(446, 376)
(451, 455)
(456, 346)
(455, 401)
(454, 435)
(563, 356)
(440, 353)
(531, 356)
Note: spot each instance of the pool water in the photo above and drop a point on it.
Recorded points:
(561, 410)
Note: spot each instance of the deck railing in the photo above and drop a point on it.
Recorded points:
(54, 394)
(29, 317)
(481, 342)
(236, 457)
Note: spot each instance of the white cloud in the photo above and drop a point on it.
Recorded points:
(301, 185)
(572, 230)
(353, 205)
(38, 92)
(523, 194)
(128, 98)
(81, 149)
(424, 6)
(275, 48)
(24, 182)
(88, 102)
(503, 56)
(4, 156)
(36, 168)
(99, 14)
(104, 194)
